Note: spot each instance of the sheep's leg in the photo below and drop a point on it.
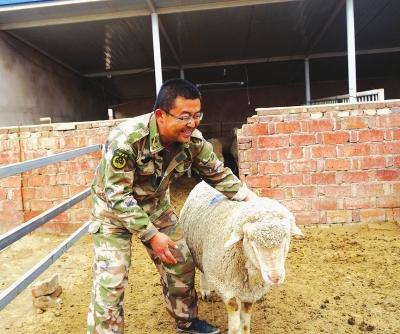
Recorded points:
(233, 307)
(204, 287)
(245, 315)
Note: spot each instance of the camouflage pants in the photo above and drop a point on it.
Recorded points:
(112, 245)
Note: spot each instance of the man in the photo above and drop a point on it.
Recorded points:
(131, 195)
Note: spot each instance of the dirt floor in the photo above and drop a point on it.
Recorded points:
(339, 280)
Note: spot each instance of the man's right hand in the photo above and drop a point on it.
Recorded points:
(160, 244)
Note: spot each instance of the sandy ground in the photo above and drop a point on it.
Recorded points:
(339, 280)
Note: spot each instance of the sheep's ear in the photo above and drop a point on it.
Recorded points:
(294, 229)
(234, 238)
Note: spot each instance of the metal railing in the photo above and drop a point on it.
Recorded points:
(366, 96)
(17, 233)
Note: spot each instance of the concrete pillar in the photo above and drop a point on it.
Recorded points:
(156, 51)
(307, 80)
(351, 51)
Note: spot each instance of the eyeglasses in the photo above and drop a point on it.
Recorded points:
(187, 118)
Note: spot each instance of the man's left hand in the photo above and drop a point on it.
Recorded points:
(160, 244)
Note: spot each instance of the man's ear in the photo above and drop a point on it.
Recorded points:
(158, 113)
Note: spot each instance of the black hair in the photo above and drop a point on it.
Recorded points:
(173, 88)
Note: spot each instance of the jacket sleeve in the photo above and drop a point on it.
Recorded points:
(118, 166)
(213, 171)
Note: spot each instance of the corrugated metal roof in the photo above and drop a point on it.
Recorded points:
(201, 37)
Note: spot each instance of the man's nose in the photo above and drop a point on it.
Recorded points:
(191, 123)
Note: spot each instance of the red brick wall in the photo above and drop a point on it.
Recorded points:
(23, 197)
(328, 164)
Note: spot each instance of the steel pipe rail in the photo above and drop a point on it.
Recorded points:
(27, 227)
(24, 166)
(15, 289)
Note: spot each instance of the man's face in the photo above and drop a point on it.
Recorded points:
(173, 129)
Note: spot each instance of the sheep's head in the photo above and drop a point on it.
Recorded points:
(266, 238)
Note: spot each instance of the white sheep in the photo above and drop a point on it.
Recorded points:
(240, 248)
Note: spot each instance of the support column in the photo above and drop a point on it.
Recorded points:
(156, 51)
(351, 51)
(307, 80)
(182, 73)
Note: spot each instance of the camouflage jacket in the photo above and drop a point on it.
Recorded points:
(131, 187)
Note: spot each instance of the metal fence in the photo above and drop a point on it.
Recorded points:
(366, 96)
(17, 233)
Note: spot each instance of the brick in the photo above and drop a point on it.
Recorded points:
(316, 115)
(303, 166)
(368, 190)
(396, 188)
(372, 215)
(389, 121)
(245, 146)
(371, 135)
(302, 139)
(258, 181)
(355, 177)
(339, 216)
(335, 191)
(337, 164)
(359, 203)
(388, 175)
(272, 141)
(321, 203)
(306, 218)
(351, 150)
(370, 112)
(372, 162)
(383, 111)
(343, 114)
(271, 168)
(338, 137)
(323, 152)
(275, 193)
(396, 215)
(291, 179)
(376, 148)
(289, 153)
(40, 204)
(255, 129)
(256, 155)
(45, 287)
(354, 123)
(287, 127)
(295, 204)
(396, 161)
(243, 140)
(304, 191)
(391, 148)
(323, 178)
(319, 125)
(388, 202)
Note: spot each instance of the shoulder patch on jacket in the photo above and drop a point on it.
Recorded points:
(119, 159)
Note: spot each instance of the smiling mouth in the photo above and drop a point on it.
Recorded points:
(187, 133)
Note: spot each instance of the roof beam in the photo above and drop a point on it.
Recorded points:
(164, 33)
(244, 61)
(21, 6)
(339, 6)
(133, 13)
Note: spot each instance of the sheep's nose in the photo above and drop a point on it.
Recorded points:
(274, 279)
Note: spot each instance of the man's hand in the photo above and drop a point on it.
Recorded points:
(160, 244)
